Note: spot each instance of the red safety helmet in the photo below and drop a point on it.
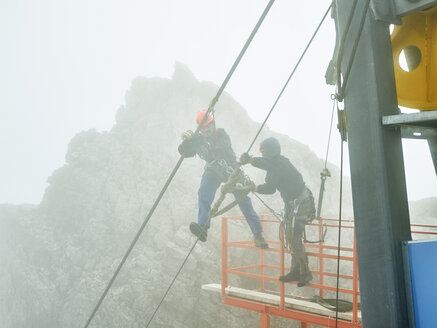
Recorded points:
(201, 115)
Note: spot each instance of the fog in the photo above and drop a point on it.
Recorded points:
(58, 256)
(65, 68)
(93, 106)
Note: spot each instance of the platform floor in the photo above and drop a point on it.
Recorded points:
(273, 299)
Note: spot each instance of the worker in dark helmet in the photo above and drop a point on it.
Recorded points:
(214, 146)
(298, 202)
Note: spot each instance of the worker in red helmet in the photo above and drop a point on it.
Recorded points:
(214, 146)
(298, 200)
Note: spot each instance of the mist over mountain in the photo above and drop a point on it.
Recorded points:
(57, 257)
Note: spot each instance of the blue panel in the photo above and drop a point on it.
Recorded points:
(422, 263)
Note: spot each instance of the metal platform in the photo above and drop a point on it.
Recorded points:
(269, 298)
(421, 125)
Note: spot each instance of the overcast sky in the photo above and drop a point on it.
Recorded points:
(66, 65)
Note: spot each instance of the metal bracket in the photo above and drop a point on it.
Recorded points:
(341, 115)
(392, 11)
(407, 7)
(421, 125)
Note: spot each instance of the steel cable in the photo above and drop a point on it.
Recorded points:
(212, 104)
(339, 235)
(178, 164)
(289, 78)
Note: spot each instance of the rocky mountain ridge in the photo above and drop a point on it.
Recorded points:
(58, 256)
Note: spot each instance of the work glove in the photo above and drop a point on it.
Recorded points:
(245, 158)
(187, 135)
(187, 147)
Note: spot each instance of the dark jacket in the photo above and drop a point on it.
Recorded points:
(281, 175)
(213, 150)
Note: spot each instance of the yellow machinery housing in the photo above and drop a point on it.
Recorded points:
(414, 46)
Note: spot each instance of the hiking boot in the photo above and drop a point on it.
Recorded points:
(305, 279)
(199, 230)
(291, 276)
(259, 241)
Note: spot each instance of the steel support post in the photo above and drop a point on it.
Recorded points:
(377, 169)
(265, 320)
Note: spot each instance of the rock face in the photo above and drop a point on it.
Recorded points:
(57, 257)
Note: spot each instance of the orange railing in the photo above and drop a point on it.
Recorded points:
(323, 263)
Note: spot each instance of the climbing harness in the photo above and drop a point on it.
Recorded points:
(237, 182)
(220, 168)
(178, 164)
(300, 209)
(283, 226)
(242, 188)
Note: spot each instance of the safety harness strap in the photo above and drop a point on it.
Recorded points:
(237, 182)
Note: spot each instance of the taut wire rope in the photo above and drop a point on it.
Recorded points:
(178, 164)
(172, 282)
(339, 234)
(341, 87)
(340, 95)
(354, 49)
(330, 130)
(273, 212)
(289, 78)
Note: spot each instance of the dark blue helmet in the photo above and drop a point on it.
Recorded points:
(270, 147)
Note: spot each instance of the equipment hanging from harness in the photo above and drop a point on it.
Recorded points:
(323, 176)
(237, 182)
(300, 209)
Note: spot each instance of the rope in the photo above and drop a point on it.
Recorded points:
(137, 236)
(355, 46)
(231, 205)
(289, 78)
(330, 129)
(178, 164)
(172, 282)
(246, 45)
(340, 95)
(277, 100)
(343, 39)
(278, 217)
(237, 182)
(234, 66)
(274, 213)
(325, 172)
(210, 109)
(213, 102)
(213, 213)
(329, 303)
(342, 88)
(339, 234)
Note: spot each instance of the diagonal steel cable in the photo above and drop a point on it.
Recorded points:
(289, 78)
(191, 250)
(178, 164)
